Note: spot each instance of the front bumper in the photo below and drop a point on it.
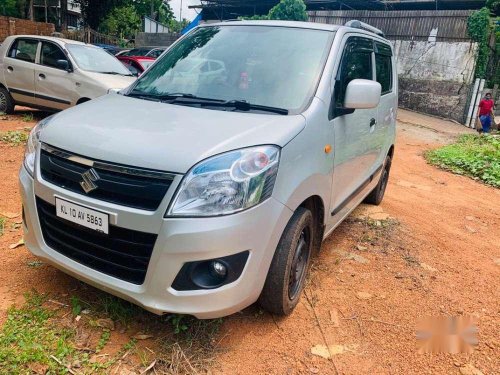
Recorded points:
(180, 240)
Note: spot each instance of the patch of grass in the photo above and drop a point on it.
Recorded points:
(472, 155)
(29, 336)
(76, 305)
(192, 350)
(103, 340)
(14, 137)
(116, 308)
(27, 117)
(35, 263)
(2, 224)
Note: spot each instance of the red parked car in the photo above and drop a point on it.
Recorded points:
(136, 64)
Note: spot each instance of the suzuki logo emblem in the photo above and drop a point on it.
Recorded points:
(90, 178)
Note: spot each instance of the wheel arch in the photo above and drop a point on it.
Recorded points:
(82, 100)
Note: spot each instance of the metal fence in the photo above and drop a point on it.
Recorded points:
(404, 25)
(88, 35)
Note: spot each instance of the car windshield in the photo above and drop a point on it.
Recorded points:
(95, 59)
(261, 65)
(146, 63)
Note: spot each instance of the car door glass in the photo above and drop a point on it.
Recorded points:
(24, 49)
(356, 64)
(383, 66)
(50, 54)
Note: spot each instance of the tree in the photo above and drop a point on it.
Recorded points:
(176, 26)
(122, 22)
(292, 10)
(494, 6)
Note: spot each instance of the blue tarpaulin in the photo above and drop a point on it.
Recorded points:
(192, 25)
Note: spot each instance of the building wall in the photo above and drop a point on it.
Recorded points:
(155, 39)
(16, 26)
(435, 56)
(435, 77)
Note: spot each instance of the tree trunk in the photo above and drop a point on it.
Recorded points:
(64, 12)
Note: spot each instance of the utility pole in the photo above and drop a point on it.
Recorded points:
(46, 12)
(180, 14)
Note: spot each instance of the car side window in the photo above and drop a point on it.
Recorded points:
(50, 54)
(356, 63)
(383, 66)
(24, 49)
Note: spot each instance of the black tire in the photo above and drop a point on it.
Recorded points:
(377, 194)
(6, 102)
(287, 275)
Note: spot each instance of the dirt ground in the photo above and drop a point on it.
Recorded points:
(431, 249)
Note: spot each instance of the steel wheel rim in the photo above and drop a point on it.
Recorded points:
(385, 179)
(299, 264)
(3, 102)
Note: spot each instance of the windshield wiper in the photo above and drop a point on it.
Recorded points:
(239, 105)
(191, 99)
(243, 105)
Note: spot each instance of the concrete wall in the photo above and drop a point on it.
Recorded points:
(16, 26)
(157, 40)
(436, 77)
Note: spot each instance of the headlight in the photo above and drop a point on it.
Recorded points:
(32, 145)
(227, 183)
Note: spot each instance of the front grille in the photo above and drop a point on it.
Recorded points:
(123, 253)
(143, 189)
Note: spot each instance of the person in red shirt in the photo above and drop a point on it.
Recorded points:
(486, 112)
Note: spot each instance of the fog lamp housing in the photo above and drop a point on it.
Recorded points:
(210, 273)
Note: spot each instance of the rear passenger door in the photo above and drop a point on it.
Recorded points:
(384, 67)
(19, 65)
(54, 86)
(354, 149)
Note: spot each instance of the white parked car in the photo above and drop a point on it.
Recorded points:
(54, 73)
(206, 200)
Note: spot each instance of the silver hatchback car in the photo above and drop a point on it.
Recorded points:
(54, 73)
(200, 191)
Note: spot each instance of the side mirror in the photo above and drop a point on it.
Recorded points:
(362, 94)
(64, 65)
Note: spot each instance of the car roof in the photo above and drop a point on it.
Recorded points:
(295, 24)
(57, 40)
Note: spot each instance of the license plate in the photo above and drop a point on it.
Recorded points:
(83, 216)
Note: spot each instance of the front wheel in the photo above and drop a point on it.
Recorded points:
(287, 274)
(377, 194)
(6, 101)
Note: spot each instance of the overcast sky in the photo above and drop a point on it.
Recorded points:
(187, 13)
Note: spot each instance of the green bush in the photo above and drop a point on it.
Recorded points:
(472, 155)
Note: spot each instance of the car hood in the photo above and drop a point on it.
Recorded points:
(161, 136)
(111, 81)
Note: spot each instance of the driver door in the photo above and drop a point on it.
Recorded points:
(55, 87)
(355, 154)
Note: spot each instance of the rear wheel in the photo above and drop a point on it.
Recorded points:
(377, 195)
(287, 274)
(6, 101)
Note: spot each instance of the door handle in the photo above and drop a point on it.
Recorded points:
(373, 122)
(42, 76)
(10, 68)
